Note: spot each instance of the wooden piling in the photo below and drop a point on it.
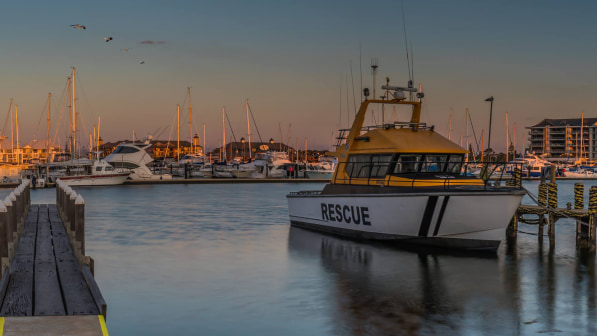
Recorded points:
(4, 261)
(587, 234)
(80, 224)
(543, 194)
(552, 190)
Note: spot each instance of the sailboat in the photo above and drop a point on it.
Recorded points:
(100, 172)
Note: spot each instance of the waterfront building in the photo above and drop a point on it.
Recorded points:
(564, 139)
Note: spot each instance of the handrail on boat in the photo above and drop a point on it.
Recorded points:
(496, 172)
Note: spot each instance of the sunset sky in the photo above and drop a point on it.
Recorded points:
(292, 60)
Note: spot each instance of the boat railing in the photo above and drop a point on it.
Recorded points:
(449, 175)
(343, 133)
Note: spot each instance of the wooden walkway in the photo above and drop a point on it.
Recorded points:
(45, 277)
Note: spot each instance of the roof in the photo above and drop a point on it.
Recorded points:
(406, 141)
(574, 122)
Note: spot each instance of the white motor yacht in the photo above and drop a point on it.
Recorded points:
(270, 165)
(133, 158)
(100, 173)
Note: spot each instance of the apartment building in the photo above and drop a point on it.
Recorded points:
(564, 139)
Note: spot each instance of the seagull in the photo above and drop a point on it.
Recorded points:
(108, 39)
(142, 62)
(78, 26)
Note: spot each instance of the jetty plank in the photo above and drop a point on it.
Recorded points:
(77, 297)
(18, 300)
(48, 295)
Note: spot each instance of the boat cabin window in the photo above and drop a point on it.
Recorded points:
(125, 150)
(428, 163)
(407, 163)
(98, 168)
(369, 166)
(122, 164)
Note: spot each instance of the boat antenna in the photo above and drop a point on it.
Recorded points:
(410, 78)
(340, 106)
(361, 69)
(374, 66)
(354, 98)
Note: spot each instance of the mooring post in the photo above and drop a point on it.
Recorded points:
(579, 204)
(71, 210)
(80, 225)
(10, 234)
(4, 260)
(587, 235)
(552, 189)
(517, 177)
(543, 194)
(19, 207)
(14, 218)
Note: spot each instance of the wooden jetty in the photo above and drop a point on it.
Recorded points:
(47, 285)
(546, 212)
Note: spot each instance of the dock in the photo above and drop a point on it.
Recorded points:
(546, 212)
(47, 285)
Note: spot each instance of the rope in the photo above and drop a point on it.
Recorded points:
(559, 213)
(579, 190)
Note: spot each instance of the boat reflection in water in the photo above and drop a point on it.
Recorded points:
(380, 290)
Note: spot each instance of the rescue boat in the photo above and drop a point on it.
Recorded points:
(404, 182)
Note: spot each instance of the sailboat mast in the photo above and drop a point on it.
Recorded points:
(191, 119)
(223, 134)
(12, 139)
(17, 129)
(582, 122)
(514, 141)
(507, 137)
(178, 133)
(467, 139)
(204, 147)
(74, 116)
(48, 127)
(48, 136)
(249, 129)
(99, 123)
(450, 126)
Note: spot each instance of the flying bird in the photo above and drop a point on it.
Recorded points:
(78, 26)
(108, 39)
(142, 62)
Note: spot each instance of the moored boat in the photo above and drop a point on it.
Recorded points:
(101, 173)
(402, 182)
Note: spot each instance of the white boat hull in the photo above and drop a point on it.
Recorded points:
(469, 220)
(95, 180)
(319, 174)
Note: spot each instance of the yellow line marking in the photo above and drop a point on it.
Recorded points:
(102, 324)
(1, 326)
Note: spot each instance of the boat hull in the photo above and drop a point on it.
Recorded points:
(319, 174)
(95, 180)
(463, 220)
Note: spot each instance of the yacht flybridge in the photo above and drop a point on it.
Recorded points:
(402, 181)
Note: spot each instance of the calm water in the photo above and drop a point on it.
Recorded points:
(223, 260)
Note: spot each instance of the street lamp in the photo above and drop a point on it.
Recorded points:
(242, 140)
(490, 99)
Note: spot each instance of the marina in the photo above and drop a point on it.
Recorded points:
(342, 168)
(240, 267)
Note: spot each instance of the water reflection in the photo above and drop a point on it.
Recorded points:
(380, 290)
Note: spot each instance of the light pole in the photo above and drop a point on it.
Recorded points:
(242, 140)
(490, 99)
